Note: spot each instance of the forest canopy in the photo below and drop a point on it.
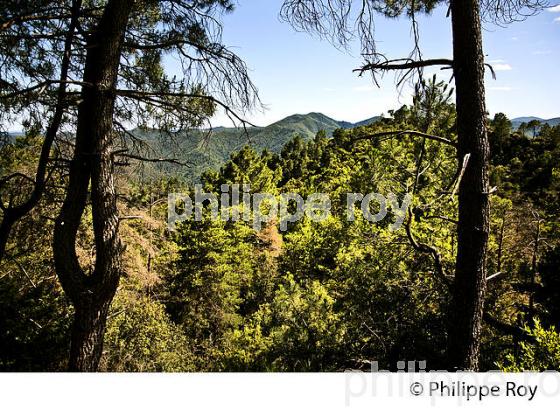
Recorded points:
(328, 295)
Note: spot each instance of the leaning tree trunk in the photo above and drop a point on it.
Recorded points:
(13, 214)
(470, 272)
(91, 294)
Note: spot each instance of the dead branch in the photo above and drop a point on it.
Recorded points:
(427, 249)
(403, 64)
(402, 133)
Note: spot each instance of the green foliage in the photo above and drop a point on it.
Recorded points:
(141, 338)
(337, 293)
(541, 353)
(299, 330)
(527, 165)
(35, 317)
(222, 273)
(247, 167)
(321, 296)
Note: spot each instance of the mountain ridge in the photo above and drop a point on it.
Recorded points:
(209, 149)
(516, 122)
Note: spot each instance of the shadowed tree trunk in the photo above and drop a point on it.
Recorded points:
(474, 212)
(91, 294)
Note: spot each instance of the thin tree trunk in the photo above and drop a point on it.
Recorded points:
(92, 294)
(13, 214)
(465, 321)
(501, 242)
(534, 266)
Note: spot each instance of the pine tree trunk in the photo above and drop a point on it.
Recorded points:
(465, 321)
(92, 294)
(87, 336)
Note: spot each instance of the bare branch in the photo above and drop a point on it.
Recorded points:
(144, 159)
(425, 248)
(157, 97)
(503, 12)
(41, 88)
(459, 176)
(402, 133)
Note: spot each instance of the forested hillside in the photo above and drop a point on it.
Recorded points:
(203, 150)
(519, 121)
(328, 295)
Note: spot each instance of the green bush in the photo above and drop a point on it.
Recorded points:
(539, 354)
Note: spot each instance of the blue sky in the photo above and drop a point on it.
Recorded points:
(297, 73)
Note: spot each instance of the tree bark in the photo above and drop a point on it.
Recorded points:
(88, 329)
(465, 321)
(92, 294)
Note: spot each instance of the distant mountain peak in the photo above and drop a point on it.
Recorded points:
(317, 119)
